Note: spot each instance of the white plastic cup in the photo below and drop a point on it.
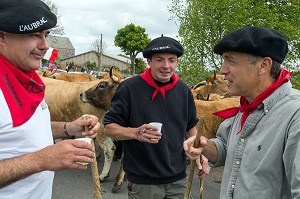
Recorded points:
(88, 140)
(158, 125)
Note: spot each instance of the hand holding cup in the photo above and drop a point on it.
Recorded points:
(88, 140)
(158, 125)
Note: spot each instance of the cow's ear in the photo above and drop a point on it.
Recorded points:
(200, 97)
(209, 80)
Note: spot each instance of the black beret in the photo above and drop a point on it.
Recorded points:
(163, 44)
(260, 41)
(25, 16)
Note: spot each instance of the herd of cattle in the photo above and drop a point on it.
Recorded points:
(70, 95)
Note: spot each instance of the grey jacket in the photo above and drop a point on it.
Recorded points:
(263, 160)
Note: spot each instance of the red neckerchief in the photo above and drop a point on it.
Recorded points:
(147, 77)
(246, 108)
(23, 92)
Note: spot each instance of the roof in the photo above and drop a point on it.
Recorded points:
(121, 58)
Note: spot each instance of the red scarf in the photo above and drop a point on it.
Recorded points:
(247, 108)
(23, 92)
(147, 77)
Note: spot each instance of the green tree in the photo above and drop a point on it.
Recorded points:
(58, 29)
(203, 23)
(91, 66)
(140, 65)
(295, 79)
(132, 40)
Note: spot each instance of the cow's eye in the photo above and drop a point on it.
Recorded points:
(102, 85)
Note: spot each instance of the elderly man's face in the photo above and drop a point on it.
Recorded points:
(24, 51)
(163, 66)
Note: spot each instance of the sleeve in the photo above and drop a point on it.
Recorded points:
(193, 119)
(221, 141)
(291, 159)
(119, 110)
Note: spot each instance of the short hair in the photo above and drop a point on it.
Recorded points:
(275, 68)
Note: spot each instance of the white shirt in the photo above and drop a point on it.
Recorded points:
(32, 136)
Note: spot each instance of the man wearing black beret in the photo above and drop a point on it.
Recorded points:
(154, 161)
(258, 143)
(28, 157)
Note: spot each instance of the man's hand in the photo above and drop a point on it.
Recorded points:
(77, 127)
(203, 167)
(148, 133)
(65, 155)
(192, 152)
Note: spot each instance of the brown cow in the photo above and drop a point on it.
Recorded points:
(48, 73)
(214, 84)
(91, 96)
(63, 99)
(75, 77)
(69, 77)
(206, 108)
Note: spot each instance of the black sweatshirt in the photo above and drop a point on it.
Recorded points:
(161, 163)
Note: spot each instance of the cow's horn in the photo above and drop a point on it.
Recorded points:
(115, 78)
(112, 76)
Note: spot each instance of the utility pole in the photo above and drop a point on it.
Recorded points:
(101, 52)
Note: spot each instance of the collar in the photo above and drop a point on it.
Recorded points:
(247, 108)
(147, 77)
(22, 91)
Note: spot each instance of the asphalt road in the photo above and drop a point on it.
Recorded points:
(73, 184)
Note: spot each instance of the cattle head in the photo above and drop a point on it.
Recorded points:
(211, 97)
(46, 73)
(203, 83)
(100, 95)
(214, 84)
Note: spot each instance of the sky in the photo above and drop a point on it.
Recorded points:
(84, 21)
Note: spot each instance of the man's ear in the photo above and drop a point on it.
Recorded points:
(148, 60)
(1, 35)
(265, 65)
(2, 41)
